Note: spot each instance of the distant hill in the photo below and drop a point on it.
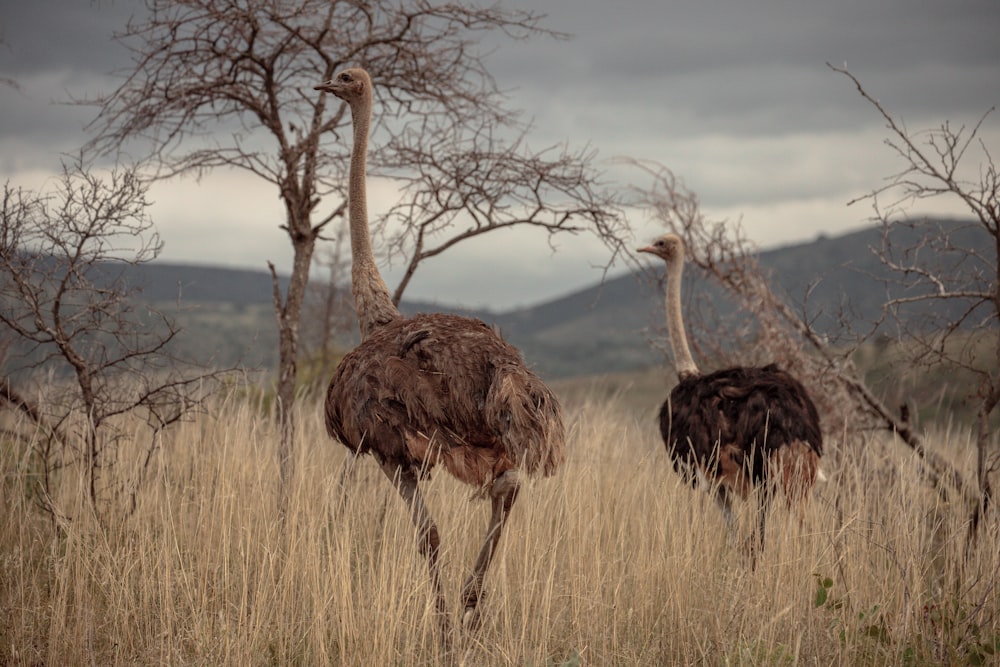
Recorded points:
(228, 316)
(608, 327)
(162, 281)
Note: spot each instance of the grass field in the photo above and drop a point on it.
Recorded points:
(611, 562)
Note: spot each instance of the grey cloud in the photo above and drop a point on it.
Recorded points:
(760, 66)
(735, 96)
(62, 34)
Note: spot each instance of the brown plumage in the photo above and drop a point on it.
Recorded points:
(434, 389)
(740, 428)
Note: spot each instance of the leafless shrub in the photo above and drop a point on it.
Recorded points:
(963, 277)
(68, 308)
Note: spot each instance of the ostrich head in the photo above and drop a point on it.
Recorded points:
(351, 85)
(668, 247)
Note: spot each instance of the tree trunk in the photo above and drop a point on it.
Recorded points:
(288, 311)
(983, 437)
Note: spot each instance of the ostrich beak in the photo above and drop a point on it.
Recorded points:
(327, 86)
(647, 248)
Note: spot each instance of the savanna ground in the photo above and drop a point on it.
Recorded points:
(611, 562)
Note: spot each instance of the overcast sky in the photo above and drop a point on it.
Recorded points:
(734, 96)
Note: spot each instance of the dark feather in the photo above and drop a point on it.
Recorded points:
(759, 410)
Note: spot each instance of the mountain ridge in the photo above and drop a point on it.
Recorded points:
(604, 327)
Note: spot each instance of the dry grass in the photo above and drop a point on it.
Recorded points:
(612, 562)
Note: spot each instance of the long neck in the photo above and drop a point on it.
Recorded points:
(372, 301)
(675, 321)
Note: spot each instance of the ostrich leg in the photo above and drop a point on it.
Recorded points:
(503, 493)
(756, 544)
(725, 502)
(428, 540)
(766, 494)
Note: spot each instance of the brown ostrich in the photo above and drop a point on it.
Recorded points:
(434, 388)
(738, 428)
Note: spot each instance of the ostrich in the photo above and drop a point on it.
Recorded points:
(737, 428)
(434, 389)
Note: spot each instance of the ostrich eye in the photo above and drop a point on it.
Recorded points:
(345, 77)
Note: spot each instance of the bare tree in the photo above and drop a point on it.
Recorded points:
(964, 281)
(66, 289)
(218, 83)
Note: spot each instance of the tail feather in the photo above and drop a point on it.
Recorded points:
(528, 419)
(796, 467)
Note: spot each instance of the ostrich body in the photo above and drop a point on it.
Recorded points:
(434, 389)
(735, 429)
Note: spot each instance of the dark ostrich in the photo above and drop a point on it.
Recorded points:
(434, 389)
(736, 429)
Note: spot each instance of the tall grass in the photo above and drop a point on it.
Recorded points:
(611, 562)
